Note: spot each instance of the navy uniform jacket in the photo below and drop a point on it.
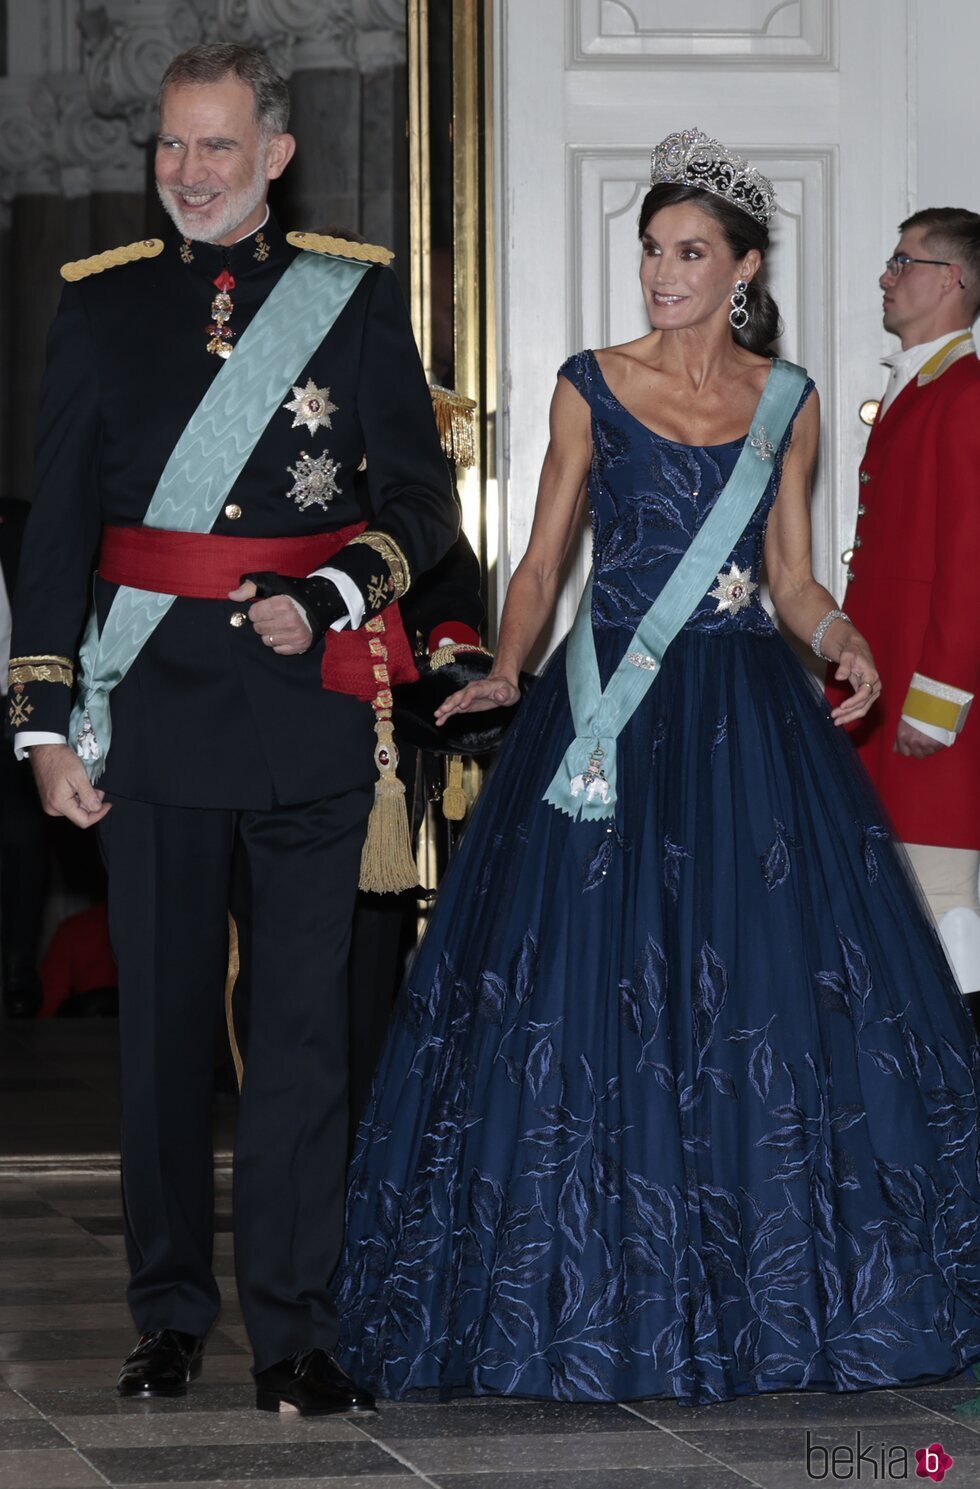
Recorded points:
(208, 715)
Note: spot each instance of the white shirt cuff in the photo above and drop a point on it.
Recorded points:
(27, 737)
(349, 593)
(934, 731)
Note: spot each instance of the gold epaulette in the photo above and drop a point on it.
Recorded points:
(147, 248)
(456, 422)
(368, 253)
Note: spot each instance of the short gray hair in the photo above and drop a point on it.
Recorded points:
(211, 62)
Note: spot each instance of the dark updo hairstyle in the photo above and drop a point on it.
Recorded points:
(742, 232)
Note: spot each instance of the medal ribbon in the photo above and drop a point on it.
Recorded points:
(584, 784)
(206, 462)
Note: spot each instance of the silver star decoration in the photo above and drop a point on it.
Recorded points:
(734, 590)
(762, 444)
(311, 406)
(314, 480)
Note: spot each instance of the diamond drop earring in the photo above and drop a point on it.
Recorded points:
(738, 316)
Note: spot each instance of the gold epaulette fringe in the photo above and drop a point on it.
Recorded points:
(343, 248)
(456, 422)
(147, 248)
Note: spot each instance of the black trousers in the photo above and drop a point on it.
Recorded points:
(25, 850)
(169, 885)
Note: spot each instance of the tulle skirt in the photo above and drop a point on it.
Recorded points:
(684, 1104)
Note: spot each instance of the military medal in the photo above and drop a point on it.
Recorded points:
(311, 406)
(221, 309)
(314, 480)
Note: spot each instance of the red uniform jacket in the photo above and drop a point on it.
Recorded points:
(915, 591)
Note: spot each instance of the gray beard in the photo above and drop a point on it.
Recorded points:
(236, 208)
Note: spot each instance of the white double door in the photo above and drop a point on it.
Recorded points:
(815, 92)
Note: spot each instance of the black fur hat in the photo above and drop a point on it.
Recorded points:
(415, 704)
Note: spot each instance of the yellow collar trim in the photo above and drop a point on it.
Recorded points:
(941, 361)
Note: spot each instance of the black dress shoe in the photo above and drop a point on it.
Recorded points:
(161, 1364)
(313, 1383)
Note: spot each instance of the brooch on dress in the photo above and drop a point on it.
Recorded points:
(734, 590)
(314, 480)
(311, 406)
(762, 445)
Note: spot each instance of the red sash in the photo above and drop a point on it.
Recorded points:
(205, 566)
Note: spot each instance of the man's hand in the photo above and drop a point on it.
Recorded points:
(912, 742)
(278, 621)
(64, 787)
(291, 613)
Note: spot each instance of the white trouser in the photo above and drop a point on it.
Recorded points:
(949, 879)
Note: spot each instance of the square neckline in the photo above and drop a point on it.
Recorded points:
(678, 444)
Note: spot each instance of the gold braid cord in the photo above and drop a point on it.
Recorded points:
(341, 248)
(456, 423)
(40, 669)
(148, 248)
(387, 860)
(387, 549)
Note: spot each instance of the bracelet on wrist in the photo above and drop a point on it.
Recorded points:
(822, 626)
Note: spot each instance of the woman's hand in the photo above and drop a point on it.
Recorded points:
(493, 691)
(856, 665)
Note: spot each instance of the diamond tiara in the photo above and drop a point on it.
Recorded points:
(690, 158)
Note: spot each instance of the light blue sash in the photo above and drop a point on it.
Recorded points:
(206, 462)
(585, 783)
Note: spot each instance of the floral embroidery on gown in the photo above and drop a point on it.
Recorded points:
(683, 1104)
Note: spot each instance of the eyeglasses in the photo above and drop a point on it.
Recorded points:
(899, 262)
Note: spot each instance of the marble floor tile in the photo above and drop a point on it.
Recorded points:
(599, 1478)
(237, 1464)
(33, 1433)
(499, 1418)
(349, 1481)
(200, 1429)
(435, 1455)
(47, 1469)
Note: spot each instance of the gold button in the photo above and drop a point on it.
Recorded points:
(237, 618)
(847, 555)
(864, 478)
(868, 411)
(233, 511)
(861, 509)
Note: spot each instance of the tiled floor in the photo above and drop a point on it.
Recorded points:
(64, 1328)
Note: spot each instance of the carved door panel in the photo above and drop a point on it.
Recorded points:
(806, 89)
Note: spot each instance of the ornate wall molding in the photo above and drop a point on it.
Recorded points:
(301, 35)
(667, 33)
(52, 143)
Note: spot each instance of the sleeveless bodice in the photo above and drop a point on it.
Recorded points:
(648, 496)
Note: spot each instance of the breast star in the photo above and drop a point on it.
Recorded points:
(733, 590)
(311, 406)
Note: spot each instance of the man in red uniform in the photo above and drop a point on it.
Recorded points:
(915, 573)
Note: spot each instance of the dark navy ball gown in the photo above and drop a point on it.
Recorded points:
(682, 1105)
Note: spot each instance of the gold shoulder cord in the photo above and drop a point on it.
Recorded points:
(148, 248)
(343, 248)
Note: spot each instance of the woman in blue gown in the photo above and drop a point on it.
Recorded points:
(680, 1102)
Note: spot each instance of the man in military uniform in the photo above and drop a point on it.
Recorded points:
(205, 408)
(913, 573)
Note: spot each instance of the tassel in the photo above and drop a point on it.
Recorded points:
(454, 797)
(387, 861)
(455, 420)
